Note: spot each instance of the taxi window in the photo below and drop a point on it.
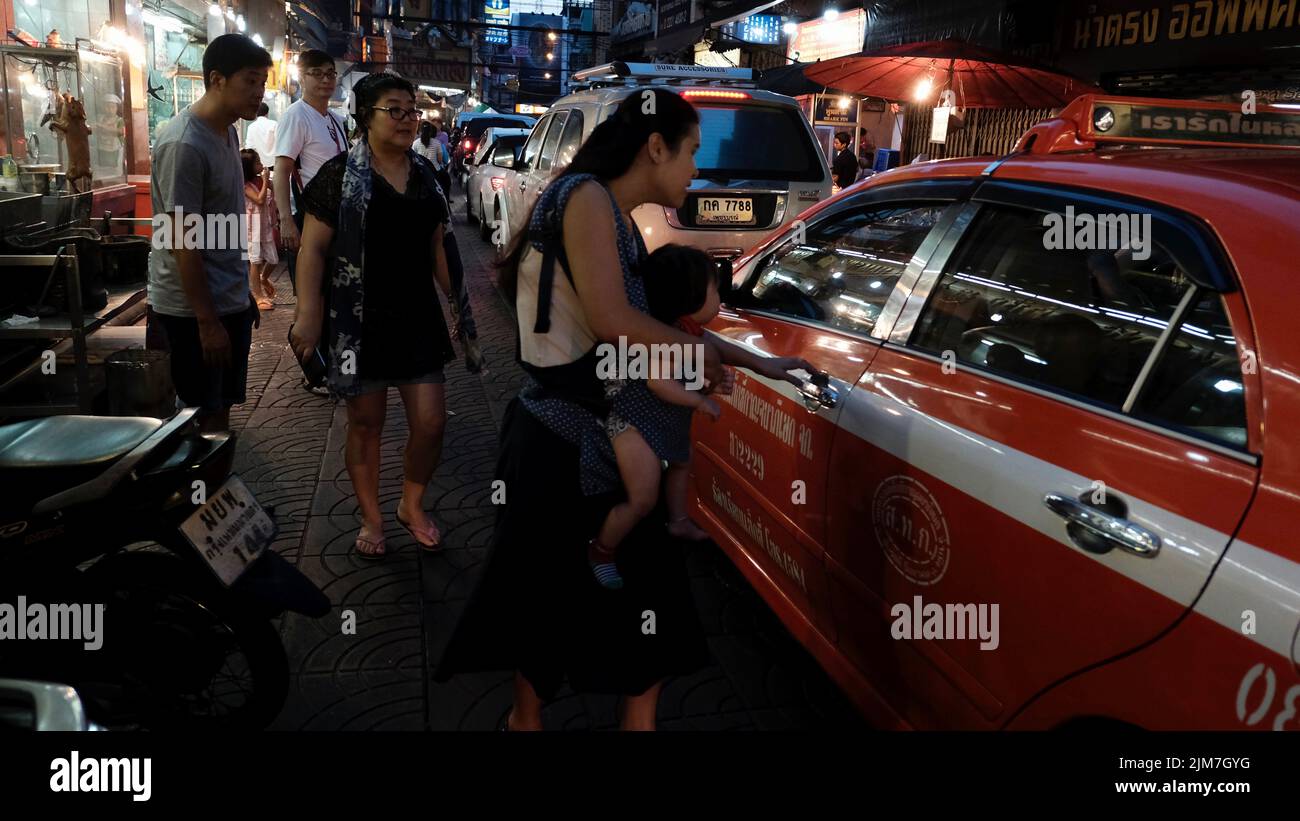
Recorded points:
(534, 144)
(505, 148)
(1083, 323)
(844, 270)
(552, 141)
(1197, 386)
(571, 140)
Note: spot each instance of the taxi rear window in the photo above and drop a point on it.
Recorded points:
(756, 142)
(1083, 322)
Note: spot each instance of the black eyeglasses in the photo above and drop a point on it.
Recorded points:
(327, 74)
(399, 113)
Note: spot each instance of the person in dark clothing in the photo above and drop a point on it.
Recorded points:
(380, 210)
(845, 166)
(575, 278)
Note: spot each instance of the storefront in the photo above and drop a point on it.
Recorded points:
(58, 47)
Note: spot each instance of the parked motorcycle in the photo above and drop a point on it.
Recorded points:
(144, 517)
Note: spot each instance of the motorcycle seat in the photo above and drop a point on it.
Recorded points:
(41, 457)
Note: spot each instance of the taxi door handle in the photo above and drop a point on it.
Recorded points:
(1113, 531)
(819, 394)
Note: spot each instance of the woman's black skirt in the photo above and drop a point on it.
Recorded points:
(537, 607)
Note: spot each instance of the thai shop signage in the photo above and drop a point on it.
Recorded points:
(835, 109)
(1107, 35)
(417, 60)
(822, 39)
(673, 13)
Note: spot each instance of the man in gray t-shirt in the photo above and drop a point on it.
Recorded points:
(198, 274)
(197, 171)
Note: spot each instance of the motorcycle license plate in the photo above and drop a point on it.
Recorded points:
(230, 531)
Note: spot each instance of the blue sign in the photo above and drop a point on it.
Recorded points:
(764, 29)
(496, 11)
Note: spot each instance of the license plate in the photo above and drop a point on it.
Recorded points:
(724, 211)
(230, 531)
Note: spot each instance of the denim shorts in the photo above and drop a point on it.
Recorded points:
(431, 378)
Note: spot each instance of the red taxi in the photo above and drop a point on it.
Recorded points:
(1051, 474)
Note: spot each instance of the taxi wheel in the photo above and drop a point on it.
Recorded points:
(484, 229)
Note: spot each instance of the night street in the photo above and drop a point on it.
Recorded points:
(291, 454)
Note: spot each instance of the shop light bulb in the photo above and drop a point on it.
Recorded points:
(844, 102)
(790, 28)
(831, 15)
(924, 88)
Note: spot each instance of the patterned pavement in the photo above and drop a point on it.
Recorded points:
(290, 452)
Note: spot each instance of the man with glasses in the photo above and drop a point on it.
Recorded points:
(308, 134)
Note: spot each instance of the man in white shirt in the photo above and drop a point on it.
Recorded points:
(260, 136)
(307, 135)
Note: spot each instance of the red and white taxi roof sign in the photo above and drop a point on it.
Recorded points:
(1153, 121)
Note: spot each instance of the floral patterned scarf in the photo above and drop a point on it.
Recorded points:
(347, 292)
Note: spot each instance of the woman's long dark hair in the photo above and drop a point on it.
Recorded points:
(610, 151)
(426, 133)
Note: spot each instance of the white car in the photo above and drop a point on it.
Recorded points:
(498, 149)
(759, 163)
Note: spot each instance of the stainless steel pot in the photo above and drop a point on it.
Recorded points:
(35, 179)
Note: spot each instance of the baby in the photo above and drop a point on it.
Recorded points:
(682, 289)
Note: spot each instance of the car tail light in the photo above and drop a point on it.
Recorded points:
(714, 94)
(498, 183)
(468, 145)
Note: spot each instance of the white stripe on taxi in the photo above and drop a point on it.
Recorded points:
(1249, 578)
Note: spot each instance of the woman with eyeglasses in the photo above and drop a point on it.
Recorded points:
(377, 210)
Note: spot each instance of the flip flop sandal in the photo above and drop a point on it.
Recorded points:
(378, 544)
(265, 305)
(420, 538)
(267, 287)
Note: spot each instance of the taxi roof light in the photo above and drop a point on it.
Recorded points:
(1094, 119)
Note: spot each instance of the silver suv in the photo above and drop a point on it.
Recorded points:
(759, 164)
